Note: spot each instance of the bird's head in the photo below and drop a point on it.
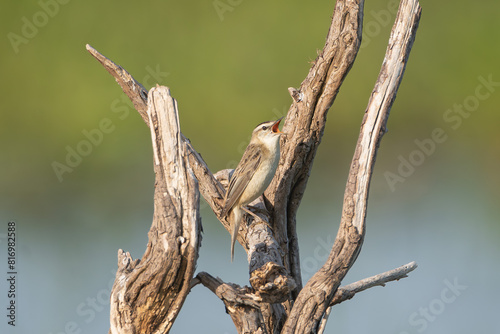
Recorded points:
(267, 132)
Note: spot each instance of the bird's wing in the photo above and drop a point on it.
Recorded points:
(243, 173)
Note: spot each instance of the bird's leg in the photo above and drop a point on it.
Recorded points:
(258, 220)
(251, 213)
(259, 210)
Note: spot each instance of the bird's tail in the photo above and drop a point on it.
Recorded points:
(237, 214)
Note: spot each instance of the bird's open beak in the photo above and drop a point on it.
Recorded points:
(275, 128)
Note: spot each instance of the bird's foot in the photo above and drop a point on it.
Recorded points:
(258, 210)
(247, 210)
(258, 220)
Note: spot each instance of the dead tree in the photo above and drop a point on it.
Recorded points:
(148, 293)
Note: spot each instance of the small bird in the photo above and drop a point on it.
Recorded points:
(253, 174)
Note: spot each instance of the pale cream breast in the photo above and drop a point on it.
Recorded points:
(264, 174)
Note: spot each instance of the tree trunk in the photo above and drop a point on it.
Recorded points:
(149, 293)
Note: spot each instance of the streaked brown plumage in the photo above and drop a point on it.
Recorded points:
(252, 175)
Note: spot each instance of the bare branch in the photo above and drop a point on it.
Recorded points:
(251, 236)
(267, 274)
(242, 305)
(315, 298)
(148, 294)
(305, 123)
(134, 90)
(228, 292)
(347, 292)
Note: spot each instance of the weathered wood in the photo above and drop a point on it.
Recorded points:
(148, 294)
(241, 304)
(267, 275)
(251, 235)
(305, 124)
(131, 87)
(312, 302)
(347, 292)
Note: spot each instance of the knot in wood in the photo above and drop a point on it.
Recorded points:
(348, 38)
(296, 94)
(272, 283)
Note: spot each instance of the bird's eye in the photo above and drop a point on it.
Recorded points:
(264, 128)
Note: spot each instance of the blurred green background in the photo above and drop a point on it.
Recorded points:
(433, 199)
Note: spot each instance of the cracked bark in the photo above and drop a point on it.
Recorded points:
(148, 293)
(314, 299)
(305, 123)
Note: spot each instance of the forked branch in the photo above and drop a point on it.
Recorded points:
(317, 295)
(148, 293)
